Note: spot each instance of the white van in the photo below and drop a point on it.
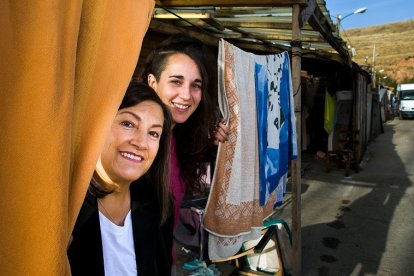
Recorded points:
(405, 100)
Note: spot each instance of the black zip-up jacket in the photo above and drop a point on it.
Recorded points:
(85, 251)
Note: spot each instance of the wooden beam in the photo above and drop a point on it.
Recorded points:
(258, 47)
(250, 35)
(230, 3)
(319, 23)
(322, 55)
(296, 164)
(261, 48)
(285, 37)
(214, 23)
(252, 11)
(185, 15)
(235, 24)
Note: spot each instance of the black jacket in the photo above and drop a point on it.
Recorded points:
(85, 252)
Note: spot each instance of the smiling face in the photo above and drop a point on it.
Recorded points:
(132, 143)
(179, 86)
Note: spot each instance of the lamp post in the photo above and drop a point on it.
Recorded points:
(340, 18)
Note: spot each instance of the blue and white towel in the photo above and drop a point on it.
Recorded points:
(276, 123)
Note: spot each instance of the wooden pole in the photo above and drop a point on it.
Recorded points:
(296, 164)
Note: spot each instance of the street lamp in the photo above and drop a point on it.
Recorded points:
(341, 18)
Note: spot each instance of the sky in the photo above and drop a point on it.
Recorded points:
(378, 12)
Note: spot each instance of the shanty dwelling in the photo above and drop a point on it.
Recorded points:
(321, 71)
(58, 74)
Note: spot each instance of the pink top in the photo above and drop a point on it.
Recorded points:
(177, 186)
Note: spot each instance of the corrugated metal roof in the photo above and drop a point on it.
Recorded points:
(261, 28)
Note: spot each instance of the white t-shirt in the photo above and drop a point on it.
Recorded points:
(118, 247)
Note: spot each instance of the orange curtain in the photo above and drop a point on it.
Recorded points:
(64, 66)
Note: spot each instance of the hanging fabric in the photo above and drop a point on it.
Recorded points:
(329, 113)
(64, 68)
(276, 123)
(234, 213)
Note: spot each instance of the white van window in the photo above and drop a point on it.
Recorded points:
(407, 95)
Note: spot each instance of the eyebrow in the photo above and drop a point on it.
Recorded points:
(182, 77)
(139, 118)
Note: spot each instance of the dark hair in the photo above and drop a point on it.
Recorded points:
(192, 150)
(159, 172)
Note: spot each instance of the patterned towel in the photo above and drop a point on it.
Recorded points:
(251, 167)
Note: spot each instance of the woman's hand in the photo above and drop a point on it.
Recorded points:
(220, 132)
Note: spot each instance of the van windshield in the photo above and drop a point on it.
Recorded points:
(407, 95)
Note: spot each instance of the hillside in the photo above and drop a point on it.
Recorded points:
(394, 44)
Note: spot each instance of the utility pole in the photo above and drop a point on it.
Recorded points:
(373, 67)
(338, 23)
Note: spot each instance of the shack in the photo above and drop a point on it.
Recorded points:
(321, 62)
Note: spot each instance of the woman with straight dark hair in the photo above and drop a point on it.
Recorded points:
(118, 230)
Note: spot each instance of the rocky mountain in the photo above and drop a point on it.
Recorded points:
(389, 48)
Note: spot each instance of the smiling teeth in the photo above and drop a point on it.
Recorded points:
(181, 106)
(131, 156)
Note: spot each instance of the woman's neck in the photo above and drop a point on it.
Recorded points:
(115, 206)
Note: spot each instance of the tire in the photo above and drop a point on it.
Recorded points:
(400, 116)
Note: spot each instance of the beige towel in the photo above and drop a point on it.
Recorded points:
(233, 214)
